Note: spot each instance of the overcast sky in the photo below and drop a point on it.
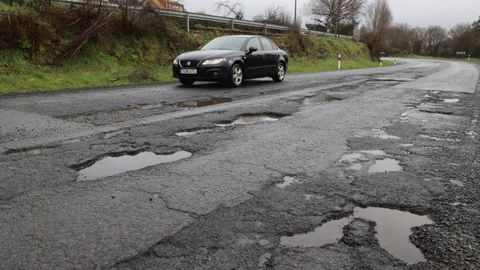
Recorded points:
(446, 13)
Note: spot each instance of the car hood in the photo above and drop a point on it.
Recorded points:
(209, 54)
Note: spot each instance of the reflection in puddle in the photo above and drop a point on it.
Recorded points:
(377, 133)
(406, 144)
(457, 183)
(385, 165)
(393, 229)
(352, 157)
(374, 152)
(438, 139)
(250, 119)
(203, 103)
(192, 133)
(451, 100)
(109, 166)
(320, 98)
(287, 181)
(355, 167)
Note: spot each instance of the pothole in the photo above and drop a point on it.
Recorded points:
(457, 183)
(250, 119)
(376, 133)
(393, 228)
(192, 132)
(203, 102)
(438, 139)
(30, 150)
(385, 165)
(287, 181)
(320, 98)
(114, 165)
(451, 100)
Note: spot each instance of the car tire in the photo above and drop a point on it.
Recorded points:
(187, 82)
(279, 72)
(236, 75)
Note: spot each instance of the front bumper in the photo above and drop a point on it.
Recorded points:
(204, 73)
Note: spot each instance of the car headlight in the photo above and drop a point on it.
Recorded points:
(213, 61)
(175, 62)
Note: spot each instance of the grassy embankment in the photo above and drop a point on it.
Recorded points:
(136, 56)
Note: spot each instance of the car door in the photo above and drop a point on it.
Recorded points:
(271, 56)
(255, 62)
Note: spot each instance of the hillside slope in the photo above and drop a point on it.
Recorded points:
(38, 50)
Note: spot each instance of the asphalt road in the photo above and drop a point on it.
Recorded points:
(371, 149)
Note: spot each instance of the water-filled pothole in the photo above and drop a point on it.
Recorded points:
(203, 102)
(385, 165)
(451, 100)
(287, 181)
(250, 119)
(320, 98)
(109, 166)
(393, 228)
(192, 132)
(376, 133)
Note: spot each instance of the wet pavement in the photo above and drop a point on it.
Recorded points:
(363, 169)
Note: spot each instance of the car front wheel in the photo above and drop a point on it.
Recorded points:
(280, 72)
(236, 75)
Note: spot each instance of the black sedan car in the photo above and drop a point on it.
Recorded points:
(232, 59)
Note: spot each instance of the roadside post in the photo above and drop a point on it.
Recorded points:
(339, 59)
(394, 62)
(382, 54)
(469, 57)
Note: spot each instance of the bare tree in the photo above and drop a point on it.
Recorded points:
(335, 13)
(399, 39)
(378, 18)
(275, 15)
(434, 37)
(231, 8)
(417, 40)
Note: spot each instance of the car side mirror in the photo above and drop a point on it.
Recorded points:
(251, 50)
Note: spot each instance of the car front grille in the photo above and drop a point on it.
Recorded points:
(189, 63)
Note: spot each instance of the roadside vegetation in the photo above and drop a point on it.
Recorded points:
(83, 46)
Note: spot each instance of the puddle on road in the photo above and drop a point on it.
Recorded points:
(451, 100)
(251, 119)
(376, 133)
(355, 167)
(374, 152)
(287, 181)
(109, 166)
(320, 98)
(385, 165)
(438, 139)
(457, 183)
(393, 228)
(352, 157)
(203, 102)
(192, 132)
(406, 145)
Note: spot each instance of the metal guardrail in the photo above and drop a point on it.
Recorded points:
(188, 16)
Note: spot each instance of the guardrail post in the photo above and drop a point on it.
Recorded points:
(265, 30)
(232, 24)
(188, 23)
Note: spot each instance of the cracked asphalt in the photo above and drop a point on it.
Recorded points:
(225, 207)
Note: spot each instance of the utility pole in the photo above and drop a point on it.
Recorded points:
(295, 16)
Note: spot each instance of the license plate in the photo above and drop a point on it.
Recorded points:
(188, 71)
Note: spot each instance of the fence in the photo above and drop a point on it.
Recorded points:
(211, 18)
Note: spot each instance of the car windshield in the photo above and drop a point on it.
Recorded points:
(225, 43)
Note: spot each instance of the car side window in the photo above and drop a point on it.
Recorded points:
(267, 45)
(254, 42)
